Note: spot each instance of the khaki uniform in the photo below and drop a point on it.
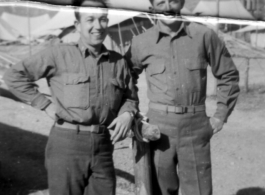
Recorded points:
(88, 93)
(176, 73)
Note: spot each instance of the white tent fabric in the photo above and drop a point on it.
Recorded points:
(256, 34)
(141, 5)
(65, 18)
(227, 9)
(7, 32)
(257, 39)
(20, 23)
(250, 28)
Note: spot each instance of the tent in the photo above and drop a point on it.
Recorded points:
(21, 23)
(7, 33)
(227, 9)
(250, 28)
(255, 35)
(139, 5)
(65, 18)
(123, 25)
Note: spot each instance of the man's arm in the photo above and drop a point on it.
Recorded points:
(128, 109)
(131, 101)
(224, 70)
(20, 78)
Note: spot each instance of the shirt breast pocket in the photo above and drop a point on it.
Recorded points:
(196, 74)
(156, 77)
(117, 89)
(76, 90)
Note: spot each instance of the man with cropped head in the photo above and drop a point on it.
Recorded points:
(175, 54)
(92, 92)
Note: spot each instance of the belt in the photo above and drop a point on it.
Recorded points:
(177, 109)
(78, 127)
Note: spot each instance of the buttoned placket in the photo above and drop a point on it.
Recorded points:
(175, 65)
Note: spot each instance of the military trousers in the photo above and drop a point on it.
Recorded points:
(181, 158)
(79, 163)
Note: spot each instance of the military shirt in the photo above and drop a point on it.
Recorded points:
(176, 66)
(85, 89)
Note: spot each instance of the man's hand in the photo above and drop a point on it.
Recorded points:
(122, 125)
(216, 124)
(51, 111)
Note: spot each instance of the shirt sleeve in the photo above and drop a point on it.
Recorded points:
(130, 102)
(134, 63)
(226, 73)
(20, 78)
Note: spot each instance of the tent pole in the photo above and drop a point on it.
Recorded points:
(121, 44)
(135, 26)
(256, 41)
(29, 31)
(151, 20)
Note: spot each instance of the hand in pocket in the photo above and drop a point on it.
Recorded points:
(216, 124)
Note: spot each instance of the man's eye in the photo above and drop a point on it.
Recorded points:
(89, 20)
(161, 3)
(104, 19)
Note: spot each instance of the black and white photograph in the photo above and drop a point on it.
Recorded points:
(122, 97)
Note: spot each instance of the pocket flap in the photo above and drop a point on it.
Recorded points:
(157, 67)
(195, 64)
(75, 78)
(117, 82)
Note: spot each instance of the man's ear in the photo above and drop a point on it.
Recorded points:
(77, 25)
(151, 9)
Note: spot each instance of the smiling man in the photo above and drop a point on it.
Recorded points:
(92, 91)
(175, 54)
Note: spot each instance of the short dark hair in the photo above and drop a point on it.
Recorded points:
(78, 3)
(152, 1)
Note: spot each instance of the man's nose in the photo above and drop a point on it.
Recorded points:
(168, 6)
(168, 9)
(97, 24)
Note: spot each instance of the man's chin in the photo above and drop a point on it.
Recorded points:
(97, 43)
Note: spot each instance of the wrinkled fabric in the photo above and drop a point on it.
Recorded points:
(176, 67)
(181, 157)
(79, 163)
(85, 89)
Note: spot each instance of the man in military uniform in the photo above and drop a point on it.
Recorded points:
(175, 54)
(92, 91)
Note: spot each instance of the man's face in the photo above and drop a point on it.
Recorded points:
(92, 26)
(170, 8)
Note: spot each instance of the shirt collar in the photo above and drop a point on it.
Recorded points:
(83, 48)
(160, 32)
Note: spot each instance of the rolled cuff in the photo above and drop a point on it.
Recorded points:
(129, 106)
(221, 113)
(40, 102)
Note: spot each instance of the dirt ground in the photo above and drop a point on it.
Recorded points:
(237, 151)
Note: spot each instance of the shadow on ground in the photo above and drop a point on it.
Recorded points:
(22, 161)
(22, 167)
(125, 175)
(251, 191)
(7, 94)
